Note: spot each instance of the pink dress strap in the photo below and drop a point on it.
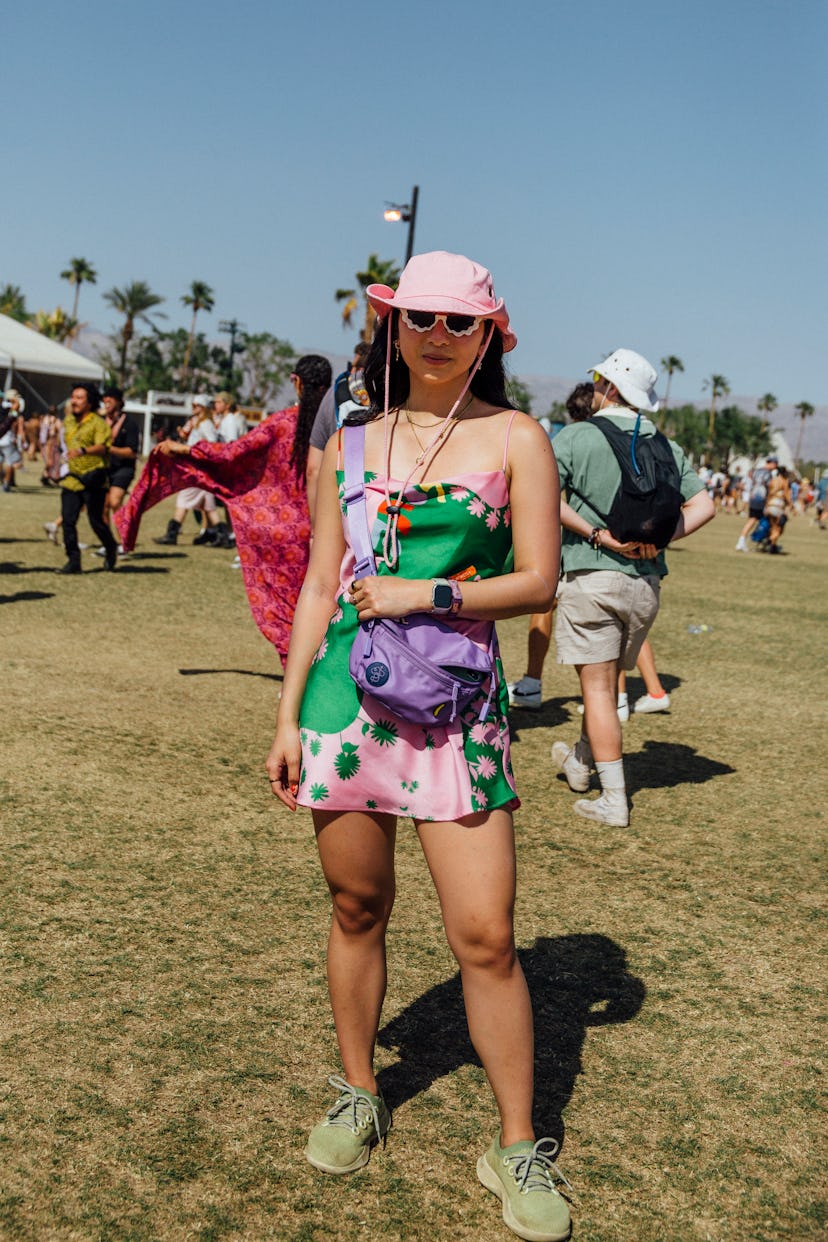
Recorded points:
(506, 441)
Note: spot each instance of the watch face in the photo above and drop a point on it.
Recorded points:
(441, 596)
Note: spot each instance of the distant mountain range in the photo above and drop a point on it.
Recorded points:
(547, 389)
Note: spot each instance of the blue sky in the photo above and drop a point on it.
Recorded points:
(646, 174)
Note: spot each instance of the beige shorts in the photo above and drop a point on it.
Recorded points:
(604, 614)
(195, 498)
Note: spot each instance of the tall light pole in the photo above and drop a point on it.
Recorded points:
(407, 212)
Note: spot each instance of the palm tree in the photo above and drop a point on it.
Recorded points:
(200, 297)
(377, 272)
(719, 387)
(13, 303)
(803, 410)
(79, 272)
(56, 324)
(766, 405)
(133, 301)
(670, 364)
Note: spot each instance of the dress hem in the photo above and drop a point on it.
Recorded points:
(510, 804)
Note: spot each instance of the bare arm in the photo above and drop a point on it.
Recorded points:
(580, 526)
(314, 465)
(695, 513)
(534, 495)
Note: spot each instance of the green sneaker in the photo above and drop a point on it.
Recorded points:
(342, 1141)
(521, 1177)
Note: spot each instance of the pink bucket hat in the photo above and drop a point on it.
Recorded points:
(447, 283)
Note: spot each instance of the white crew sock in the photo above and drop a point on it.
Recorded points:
(530, 683)
(611, 776)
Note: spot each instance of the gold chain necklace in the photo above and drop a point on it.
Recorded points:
(422, 426)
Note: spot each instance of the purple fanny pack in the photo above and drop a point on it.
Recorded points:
(421, 669)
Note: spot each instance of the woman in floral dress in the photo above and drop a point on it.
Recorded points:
(261, 478)
(463, 490)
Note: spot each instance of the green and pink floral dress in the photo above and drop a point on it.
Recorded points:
(356, 755)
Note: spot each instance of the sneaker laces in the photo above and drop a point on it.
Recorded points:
(533, 1170)
(351, 1108)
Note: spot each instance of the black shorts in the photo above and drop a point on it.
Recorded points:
(121, 477)
(757, 513)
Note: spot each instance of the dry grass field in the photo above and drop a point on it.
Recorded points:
(165, 1029)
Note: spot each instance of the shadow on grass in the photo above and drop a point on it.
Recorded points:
(129, 568)
(239, 672)
(11, 539)
(14, 567)
(158, 556)
(553, 712)
(22, 596)
(575, 981)
(560, 711)
(662, 765)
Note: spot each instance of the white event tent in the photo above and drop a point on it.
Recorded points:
(39, 368)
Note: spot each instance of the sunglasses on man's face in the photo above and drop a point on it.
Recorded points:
(424, 321)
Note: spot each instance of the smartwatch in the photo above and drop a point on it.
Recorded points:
(445, 596)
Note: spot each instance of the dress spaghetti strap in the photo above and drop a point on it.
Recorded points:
(506, 441)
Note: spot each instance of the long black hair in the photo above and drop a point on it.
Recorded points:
(489, 383)
(316, 374)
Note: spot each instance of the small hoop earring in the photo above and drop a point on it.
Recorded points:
(397, 351)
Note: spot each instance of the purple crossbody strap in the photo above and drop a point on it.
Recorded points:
(355, 501)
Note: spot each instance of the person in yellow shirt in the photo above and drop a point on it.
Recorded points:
(88, 438)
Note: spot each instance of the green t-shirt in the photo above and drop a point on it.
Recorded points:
(587, 463)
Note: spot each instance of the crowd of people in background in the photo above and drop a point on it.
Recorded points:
(768, 493)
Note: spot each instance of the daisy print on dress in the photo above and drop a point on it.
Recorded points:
(347, 762)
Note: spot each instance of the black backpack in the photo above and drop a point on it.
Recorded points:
(648, 502)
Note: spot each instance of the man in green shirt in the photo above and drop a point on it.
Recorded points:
(609, 592)
(88, 437)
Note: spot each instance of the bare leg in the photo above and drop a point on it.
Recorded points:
(540, 630)
(647, 669)
(114, 501)
(599, 690)
(357, 854)
(473, 868)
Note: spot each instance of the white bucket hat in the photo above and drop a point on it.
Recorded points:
(633, 376)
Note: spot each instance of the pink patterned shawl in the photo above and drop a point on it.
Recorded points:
(267, 504)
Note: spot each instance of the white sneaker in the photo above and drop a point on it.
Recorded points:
(101, 551)
(608, 809)
(648, 704)
(51, 529)
(566, 761)
(236, 562)
(741, 546)
(525, 693)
